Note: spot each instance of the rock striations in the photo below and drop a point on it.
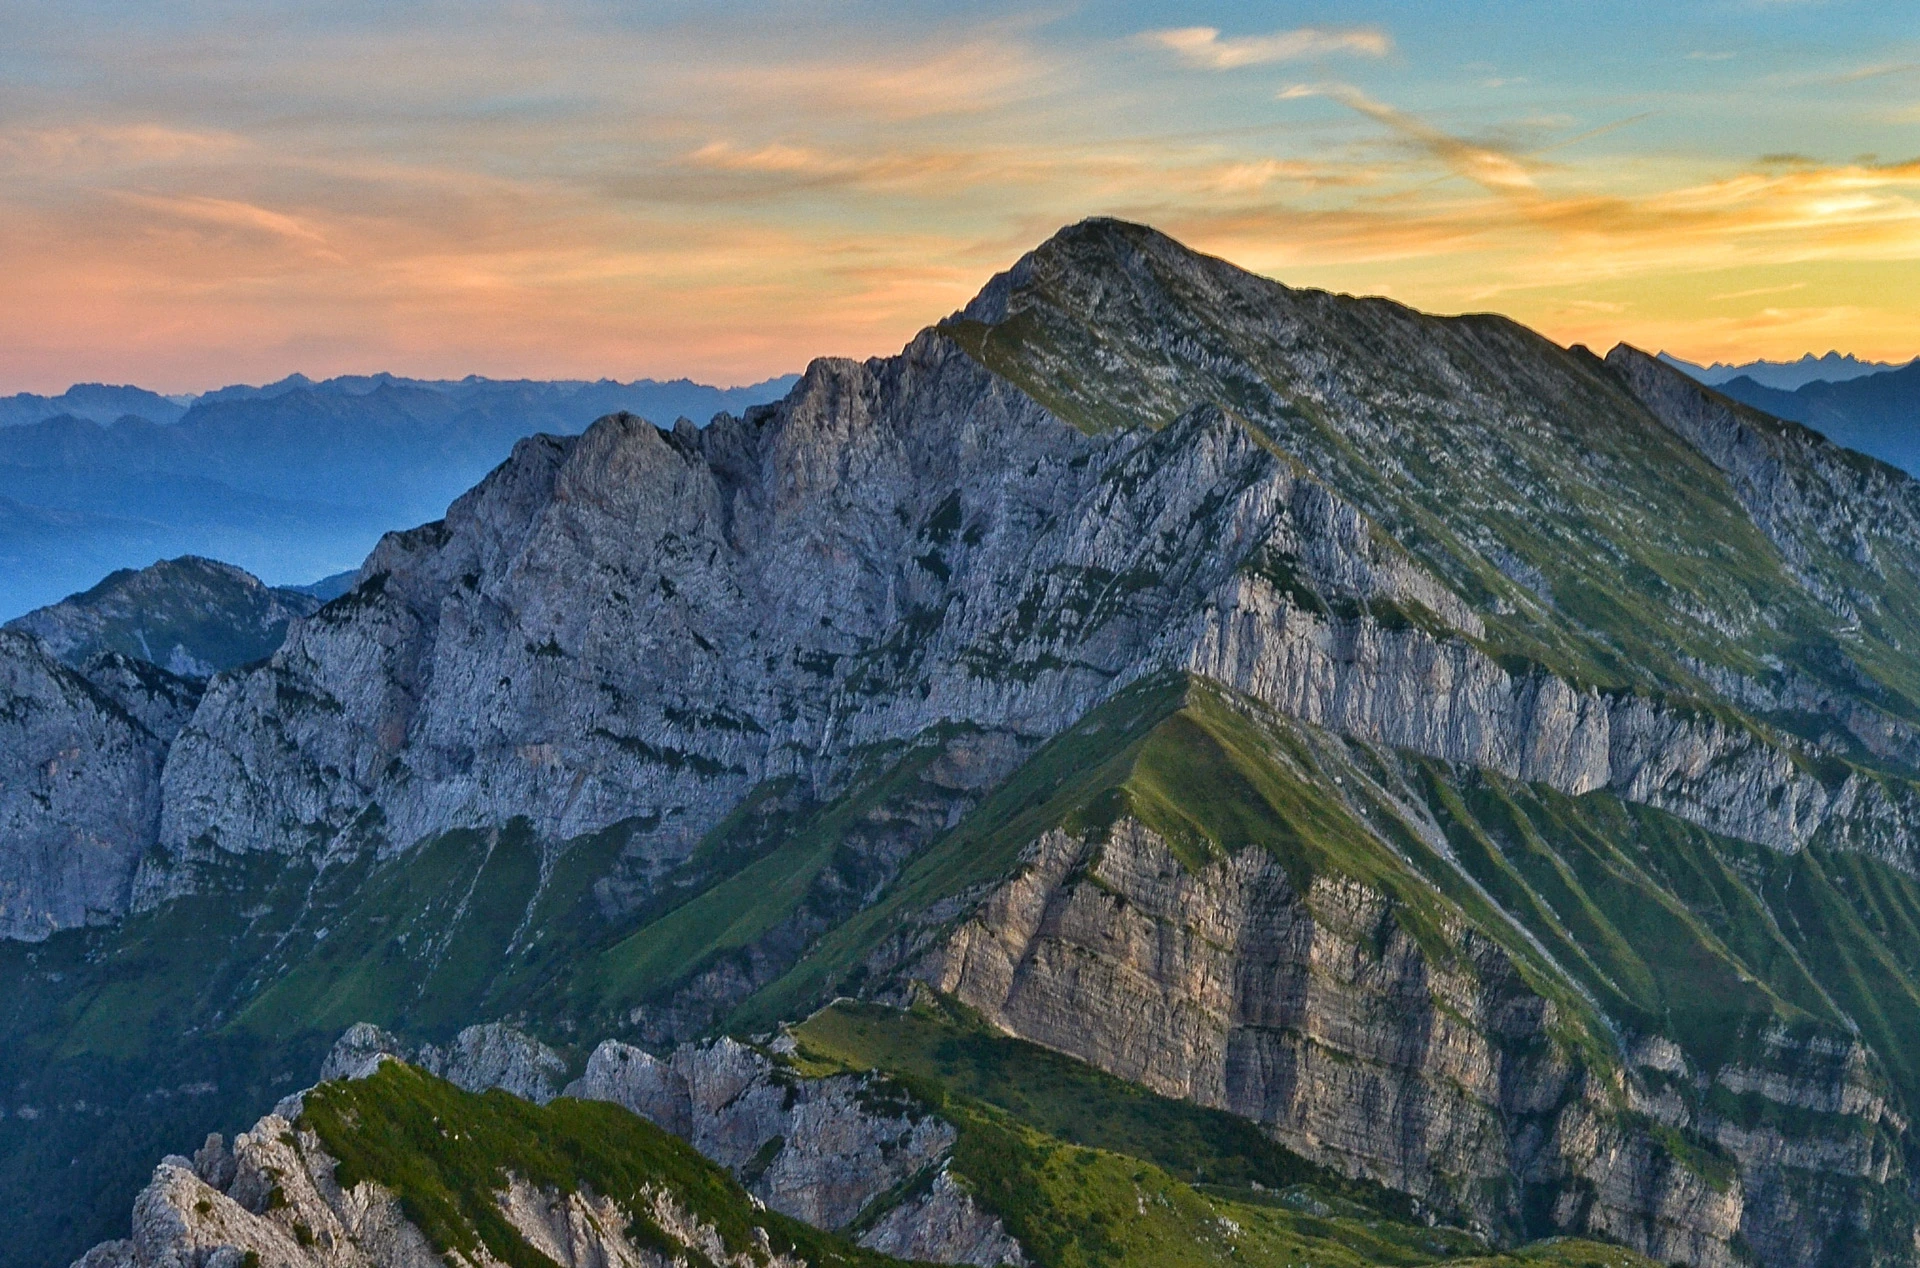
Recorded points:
(1453, 753)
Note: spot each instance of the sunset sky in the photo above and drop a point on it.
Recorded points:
(197, 194)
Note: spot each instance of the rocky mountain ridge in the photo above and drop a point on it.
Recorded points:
(1486, 767)
(451, 624)
(313, 1182)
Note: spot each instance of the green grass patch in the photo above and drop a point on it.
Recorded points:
(446, 1154)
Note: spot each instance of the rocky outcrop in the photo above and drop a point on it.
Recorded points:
(79, 794)
(271, 1201)
(480, 1057)
(944, 1225)
(830, 1151)
(581, 1230)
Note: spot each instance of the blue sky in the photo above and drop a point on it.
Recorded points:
(198, 193)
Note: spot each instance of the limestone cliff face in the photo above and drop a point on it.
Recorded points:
(1445, 698)
(638, 623)
(79, 792)
(1436, 1070)
(900, 543)
(825, 1150)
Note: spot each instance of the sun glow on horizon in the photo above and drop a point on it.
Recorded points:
(197, 194)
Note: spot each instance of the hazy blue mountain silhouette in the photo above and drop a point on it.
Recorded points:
(102, 402)
(293, 481)
(1877, 414)
(1785, 376)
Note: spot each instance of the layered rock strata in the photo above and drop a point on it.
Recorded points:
(1320, 1017)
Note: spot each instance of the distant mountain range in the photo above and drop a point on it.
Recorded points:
(1785, 376)
(1878, 414)
(101, 402)
(293, 481)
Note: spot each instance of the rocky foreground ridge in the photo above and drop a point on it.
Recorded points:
(861, 1153)
(1485, 767)
(278, 1197)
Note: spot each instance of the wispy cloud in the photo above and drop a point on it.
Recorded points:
(1205, 47)
(93, 147)
(1879, 70)
(232, 214)
(1481, 164)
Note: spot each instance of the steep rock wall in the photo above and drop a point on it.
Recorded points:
(820, 1149)
(79, 794)
(1320, 1017)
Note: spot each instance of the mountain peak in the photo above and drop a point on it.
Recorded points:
(1096, 247)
